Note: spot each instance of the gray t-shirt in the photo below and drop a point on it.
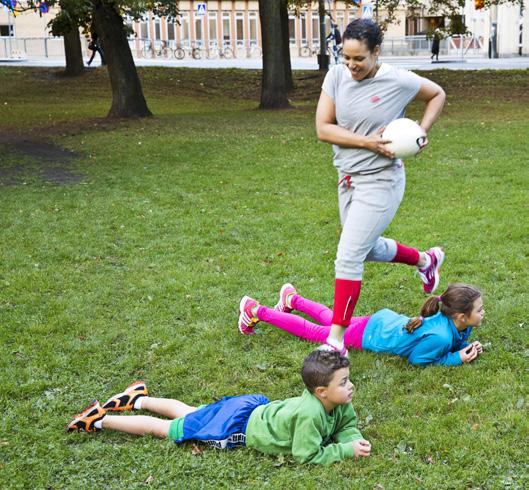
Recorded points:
(365, 106)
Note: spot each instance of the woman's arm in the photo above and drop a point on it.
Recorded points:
(434, 97)
(328, 131)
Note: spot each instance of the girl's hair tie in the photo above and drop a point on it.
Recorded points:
(439, 299)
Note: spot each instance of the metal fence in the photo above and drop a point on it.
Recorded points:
(460, 46)
(52, 47)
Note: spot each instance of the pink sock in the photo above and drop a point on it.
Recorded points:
(346, 293)
(317, 311)
(293, 324)
(406, 255)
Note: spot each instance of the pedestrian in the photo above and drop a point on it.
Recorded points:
(95, 46)
(436, 41)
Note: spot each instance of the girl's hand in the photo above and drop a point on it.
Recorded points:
(468, 354)
(362, 448)
(377, 144)
(479, 347)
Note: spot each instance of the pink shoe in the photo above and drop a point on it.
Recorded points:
(246, 319)
(430, 275)
(331, 348)
(284, 301)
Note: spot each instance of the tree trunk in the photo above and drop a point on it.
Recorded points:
(127, 95)
(73, 54)
(289, 82)
(273, 85)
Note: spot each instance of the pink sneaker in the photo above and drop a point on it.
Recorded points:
(331, 348)
(246, 319)
(284, 301)
(430, 275)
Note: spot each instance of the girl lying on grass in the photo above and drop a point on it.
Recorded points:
(445, 323)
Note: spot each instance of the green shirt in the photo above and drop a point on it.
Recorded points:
(301, 427)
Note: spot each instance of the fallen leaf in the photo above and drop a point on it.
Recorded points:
(520, 402)
(451, 402)
(475, 427)
(195, 450)
(280, 461)
(149, 479)
(430, 460)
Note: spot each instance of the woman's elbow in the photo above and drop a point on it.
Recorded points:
(321, 132)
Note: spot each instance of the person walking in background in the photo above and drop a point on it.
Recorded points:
(436, 41)
(95, 46)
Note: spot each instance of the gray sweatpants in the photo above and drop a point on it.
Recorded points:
(367, 207)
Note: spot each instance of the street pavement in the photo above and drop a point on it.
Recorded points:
(408, 62)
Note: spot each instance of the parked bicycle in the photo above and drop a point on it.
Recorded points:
(150, 51)
(253, 51)
(180, 52)
(215, 51)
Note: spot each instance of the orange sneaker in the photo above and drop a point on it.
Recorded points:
(85, 420)
(125, 401)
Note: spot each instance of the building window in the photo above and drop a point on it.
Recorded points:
(253, 19)
(315, 28)
(144, 28)
(226, 28)
(212, 24)
(239, 28)
(292, 29)
(171, 30)
(184, 28)
(157, 29)
(199, 30)
(303, 24)
(340, 21)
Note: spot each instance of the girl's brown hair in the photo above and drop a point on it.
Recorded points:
(458, 298)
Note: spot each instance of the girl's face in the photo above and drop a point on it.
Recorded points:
(475, 317)
(362, 62)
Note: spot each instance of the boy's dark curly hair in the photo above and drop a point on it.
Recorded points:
(319, 367)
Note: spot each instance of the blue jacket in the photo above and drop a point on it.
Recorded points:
(436, 341)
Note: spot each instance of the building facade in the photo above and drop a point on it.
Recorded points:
(235, 23)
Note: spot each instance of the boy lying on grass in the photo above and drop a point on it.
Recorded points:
(317, 427)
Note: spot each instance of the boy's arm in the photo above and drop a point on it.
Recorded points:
(433, 350)
(307, 444)
(347, 430)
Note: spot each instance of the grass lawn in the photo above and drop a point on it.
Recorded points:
(125, 254)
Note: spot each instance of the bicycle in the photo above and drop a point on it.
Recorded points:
(308, 51)
(253, 51)
(222, 52)
(150, 52)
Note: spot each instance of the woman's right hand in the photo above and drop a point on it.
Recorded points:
(469, 353)
(377, 144)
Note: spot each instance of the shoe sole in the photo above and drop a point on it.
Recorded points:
(81, 415)
(285, 286)
(440, 259)
(128, 390)
(241, 313)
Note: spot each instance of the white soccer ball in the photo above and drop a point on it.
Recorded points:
(406, 137)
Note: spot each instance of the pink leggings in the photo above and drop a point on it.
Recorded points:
(310, 331)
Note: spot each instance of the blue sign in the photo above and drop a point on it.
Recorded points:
(367, 11)
(201, 10)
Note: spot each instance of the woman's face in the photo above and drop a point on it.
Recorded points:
(362, 62)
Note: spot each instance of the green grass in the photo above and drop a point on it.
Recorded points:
(136, 271)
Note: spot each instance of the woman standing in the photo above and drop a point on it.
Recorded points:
(358, 99)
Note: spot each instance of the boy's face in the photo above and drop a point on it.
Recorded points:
(340, 389)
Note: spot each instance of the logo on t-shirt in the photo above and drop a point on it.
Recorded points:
(375, 99)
